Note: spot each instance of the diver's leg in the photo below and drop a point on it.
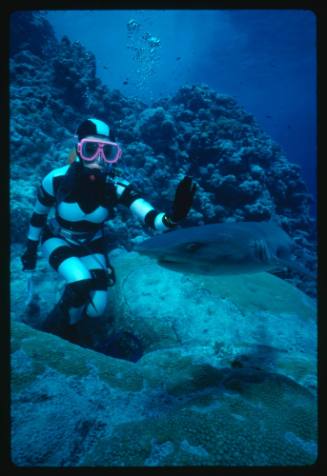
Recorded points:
(92, 329)
(93, 257)
(96, 265)
(62, 257)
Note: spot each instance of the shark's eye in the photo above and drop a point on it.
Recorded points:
(192, 247)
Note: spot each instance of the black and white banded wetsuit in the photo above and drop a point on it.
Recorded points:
(73, 240)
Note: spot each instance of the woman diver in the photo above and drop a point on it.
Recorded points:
(82, 194)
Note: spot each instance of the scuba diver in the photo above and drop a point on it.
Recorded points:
(82, 194)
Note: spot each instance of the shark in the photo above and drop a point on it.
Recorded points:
(223, 248)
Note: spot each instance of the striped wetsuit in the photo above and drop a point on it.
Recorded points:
(73, 240)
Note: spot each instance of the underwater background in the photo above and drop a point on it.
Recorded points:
(265, 59)
(183, 370)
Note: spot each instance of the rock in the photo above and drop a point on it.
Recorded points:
(258, 318)
(225, 375)
(207, 371)
(75, 407)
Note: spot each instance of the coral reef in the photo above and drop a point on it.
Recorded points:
(227, 376)
(184, 411)
(206, 372)
(241, 173)
(253, 321)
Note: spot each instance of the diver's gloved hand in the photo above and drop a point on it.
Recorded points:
(183, 199)
(29, 257)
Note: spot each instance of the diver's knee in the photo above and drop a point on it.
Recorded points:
(99, 279)
(94, 313)
(77, 293)
(98, 304)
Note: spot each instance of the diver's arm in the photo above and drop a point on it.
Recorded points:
(127, 195)
(43, 204)
(45, 200)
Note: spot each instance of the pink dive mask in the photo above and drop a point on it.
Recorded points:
(90, 148)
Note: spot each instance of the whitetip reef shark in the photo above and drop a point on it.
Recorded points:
(223, 248)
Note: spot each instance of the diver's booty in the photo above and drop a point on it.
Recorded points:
(57, 321)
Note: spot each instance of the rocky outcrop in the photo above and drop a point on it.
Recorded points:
(75, 407)
(205, 371)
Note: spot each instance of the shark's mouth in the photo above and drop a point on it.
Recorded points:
(166, 261)
(187, 266)
(170, 261)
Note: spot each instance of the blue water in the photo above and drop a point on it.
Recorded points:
(266, 59)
